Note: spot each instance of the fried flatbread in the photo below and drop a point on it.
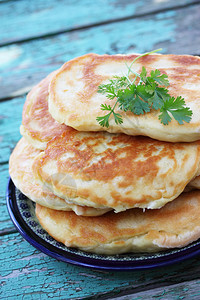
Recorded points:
(116, 171)
(177, 224)
(195, 183)
(38, 126)
(20, 164)
(74, 101)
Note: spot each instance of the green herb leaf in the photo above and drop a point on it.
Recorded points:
(164, 117)
(140, 106)
(103, 121)
(176, 107)
(126, 97)
(160, 79)
(149, 93)
(143, 74)
(105, 107)
(118, 118)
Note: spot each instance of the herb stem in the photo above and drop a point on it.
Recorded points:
(144, 54)
(139, 98)
(114, 107)
(135, 73)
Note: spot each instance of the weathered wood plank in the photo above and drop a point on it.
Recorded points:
(10, 121)
(185, 290)
(4, 179)
(24, 64)
(30, 19)
(24, 270)
(6, 224)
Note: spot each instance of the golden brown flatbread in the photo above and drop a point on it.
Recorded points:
(38, 126)
(175, 225)
(195, 183)
(21, 173)
(117, 171)
(74, 101)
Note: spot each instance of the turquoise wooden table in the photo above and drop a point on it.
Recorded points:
(37, 37)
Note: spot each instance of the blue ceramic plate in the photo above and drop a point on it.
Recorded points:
(22, 213)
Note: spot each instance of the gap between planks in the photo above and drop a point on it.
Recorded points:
(30, 67)
(135, 16)
(5, 1)
(162, 289)
(4, 162)
(4, 99)
(8, 231)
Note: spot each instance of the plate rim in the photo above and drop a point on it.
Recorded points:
(76, 259)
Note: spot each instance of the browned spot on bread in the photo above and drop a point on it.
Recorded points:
(80, 106)
(175, 225)
(36, 119)
(116, 170)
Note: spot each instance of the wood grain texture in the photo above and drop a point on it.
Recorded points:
(28, 272)
(10, 121)
(185, 290)
(22, 65)
(6, 224)
(30, 19)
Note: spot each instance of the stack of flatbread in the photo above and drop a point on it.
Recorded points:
(132, 187)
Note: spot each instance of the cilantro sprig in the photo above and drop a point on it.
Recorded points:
(141, 95)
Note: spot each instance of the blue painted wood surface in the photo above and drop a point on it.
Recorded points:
(31, 273)
(24, 64)
(26, 273)
(5, 222)
(188, 290)
(29, 19)
(10, 121)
